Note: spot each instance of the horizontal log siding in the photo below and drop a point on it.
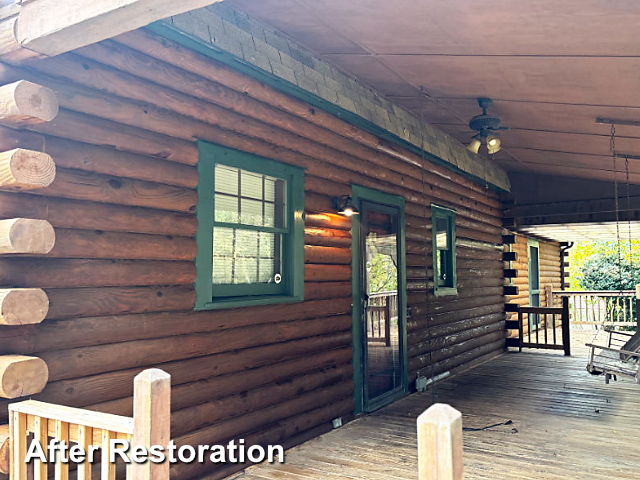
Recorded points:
(549, 257)
(120, 276)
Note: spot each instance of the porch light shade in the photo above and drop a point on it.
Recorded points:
(474, 146)
(344, 206)
(493, 144)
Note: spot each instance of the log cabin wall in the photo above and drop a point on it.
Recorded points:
(550, 273)
(120, 276)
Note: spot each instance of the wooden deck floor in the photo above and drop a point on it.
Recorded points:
(566, 424)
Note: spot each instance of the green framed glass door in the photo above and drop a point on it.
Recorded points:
(379, 299)
(533, 248)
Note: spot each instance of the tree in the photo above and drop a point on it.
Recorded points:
(603, 271)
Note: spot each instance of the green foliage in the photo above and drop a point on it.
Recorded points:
(383, 274)
(596, 266)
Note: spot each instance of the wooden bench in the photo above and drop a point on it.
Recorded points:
(621, 356)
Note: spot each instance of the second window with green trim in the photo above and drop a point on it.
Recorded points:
(444, 250)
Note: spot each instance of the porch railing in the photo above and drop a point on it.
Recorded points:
(382, 308)
(149, 426)
(615, 308)
(545, 327)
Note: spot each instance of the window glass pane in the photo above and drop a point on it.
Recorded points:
(251, 212)
(442, 233)
(245, 256)
(251, 184)
(222, 270)
(226, 179)
(226, 209)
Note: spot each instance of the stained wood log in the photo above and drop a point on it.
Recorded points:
(450, 353)
(455, 338)
(97, 131)
(22, 235)
(209, 413)
(96, 216)
(326, 273)
(22, 376)
(83, 185)
(23, 306)
(22, 169)
(326, 290)
(327, 255)
(90, 302)
(90, 390)
(99, 244)
(92, 331)
(24, 103)
(238, 384)
(327, 220)
(63, 273)
(101, 159)
(327, 237)
(104, 358)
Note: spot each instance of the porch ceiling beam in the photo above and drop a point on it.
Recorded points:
(52, 27)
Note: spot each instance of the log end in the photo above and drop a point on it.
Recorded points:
(22, 169)
(22, 376)
(23, 306)
(5, 454)
(36, 104)
(26, 236)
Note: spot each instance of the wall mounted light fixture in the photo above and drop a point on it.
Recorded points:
(344, 205)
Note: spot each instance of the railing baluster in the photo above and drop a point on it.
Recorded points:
(554, 329)
(85, 438)
(108, 469)
(40, 433)
(545, 329)
(18, 446)
(62, 434)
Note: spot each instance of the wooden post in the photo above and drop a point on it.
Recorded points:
(440, 443)
(22, 169)
(24, 235)
(22, 376)
(566, 338)
(23, 306)
(548, 293)
(151, 419)
(25, 103)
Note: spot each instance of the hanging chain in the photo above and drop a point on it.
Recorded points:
(612, 147)
(432, 372)
(626, 169)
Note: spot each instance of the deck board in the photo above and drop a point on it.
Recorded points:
(566, 424)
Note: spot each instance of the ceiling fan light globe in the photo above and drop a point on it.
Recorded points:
(495, 147)
(474, 146)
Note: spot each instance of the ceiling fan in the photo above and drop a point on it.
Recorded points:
(488, 128)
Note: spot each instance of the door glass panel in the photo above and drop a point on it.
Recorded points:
(383, 369)
(534, 285)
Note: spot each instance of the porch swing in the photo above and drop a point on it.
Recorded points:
(621, 354)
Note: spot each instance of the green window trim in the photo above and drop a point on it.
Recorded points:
(451, 286)
(210, 296)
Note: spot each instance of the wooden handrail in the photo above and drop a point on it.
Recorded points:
(149, 426)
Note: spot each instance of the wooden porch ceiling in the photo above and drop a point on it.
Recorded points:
(551, 67)
(566, 424)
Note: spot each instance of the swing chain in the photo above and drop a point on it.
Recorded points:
(626, 168)
(612, 147)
